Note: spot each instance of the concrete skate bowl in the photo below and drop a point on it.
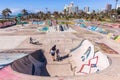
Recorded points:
(85, 60)
(36, 64)
(82, 61)
(33, 64)
(58, 28)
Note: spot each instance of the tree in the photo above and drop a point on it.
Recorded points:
(24, 12)
(40, 15)
(48, 14)
(56, 14)
(75, 15)
(118, 11)
(31, 15)
(65, 12)
(6, 12)
(61, 15)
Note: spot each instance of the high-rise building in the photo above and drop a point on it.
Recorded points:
(86, 9)
(71, 4)
(80, 11)
(74, 10)
(118, 6)
(71, 8)
(108, 7)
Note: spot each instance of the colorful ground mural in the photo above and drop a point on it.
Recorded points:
(85, 60)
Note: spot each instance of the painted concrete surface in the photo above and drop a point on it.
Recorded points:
(6, 58)
(10, 42)
(110, 73)
(84, 60)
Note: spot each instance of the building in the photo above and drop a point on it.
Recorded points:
(71, 8)
(86, 9)
(80, 11)
(118, 6)
(74, 10)
(108, 7)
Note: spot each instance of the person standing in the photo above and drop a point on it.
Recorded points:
(31, 40)
(58, 55)
(52, 52)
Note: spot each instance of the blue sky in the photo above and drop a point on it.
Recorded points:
(36, 5)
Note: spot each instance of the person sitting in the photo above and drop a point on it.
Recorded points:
(33, 41)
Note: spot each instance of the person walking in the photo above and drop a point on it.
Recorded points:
(52, 52)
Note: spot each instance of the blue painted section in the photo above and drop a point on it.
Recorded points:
(35, 22)
(86, 54)
(77, 46)
(82, 25)
(45, 29)
(81, 20)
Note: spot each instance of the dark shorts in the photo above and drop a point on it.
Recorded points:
(53, 54)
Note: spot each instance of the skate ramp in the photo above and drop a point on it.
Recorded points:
(85, 61)
(7, 58)
(57, 28)
(11, 42)
(117, 38)
(33, 64)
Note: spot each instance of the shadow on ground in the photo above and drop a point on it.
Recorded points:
(64, 57)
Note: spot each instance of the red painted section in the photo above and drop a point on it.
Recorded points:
(83, 68)
(89, 64)
(8, 74)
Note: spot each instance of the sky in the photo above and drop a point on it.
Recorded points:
(52, 5)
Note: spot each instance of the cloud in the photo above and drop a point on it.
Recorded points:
(18, 10)
(15, 10)
(35, 10)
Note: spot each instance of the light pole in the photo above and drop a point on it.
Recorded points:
(46, 10)
(116, 4)
(116, 8)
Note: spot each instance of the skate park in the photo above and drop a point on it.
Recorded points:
(82, 58)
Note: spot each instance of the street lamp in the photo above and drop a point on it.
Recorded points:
(46, 10)
(116, 4)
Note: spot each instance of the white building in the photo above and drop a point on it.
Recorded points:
(118, 6)
(71, 8)
(86, 9)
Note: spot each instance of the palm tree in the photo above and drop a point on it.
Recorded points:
(118, 11)
(24, 12)
(61, 15)
(48, 14)
(75, 15)
(56, 14)
(40, 14)
(65, 12)
(6, 12)
(31, 15)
